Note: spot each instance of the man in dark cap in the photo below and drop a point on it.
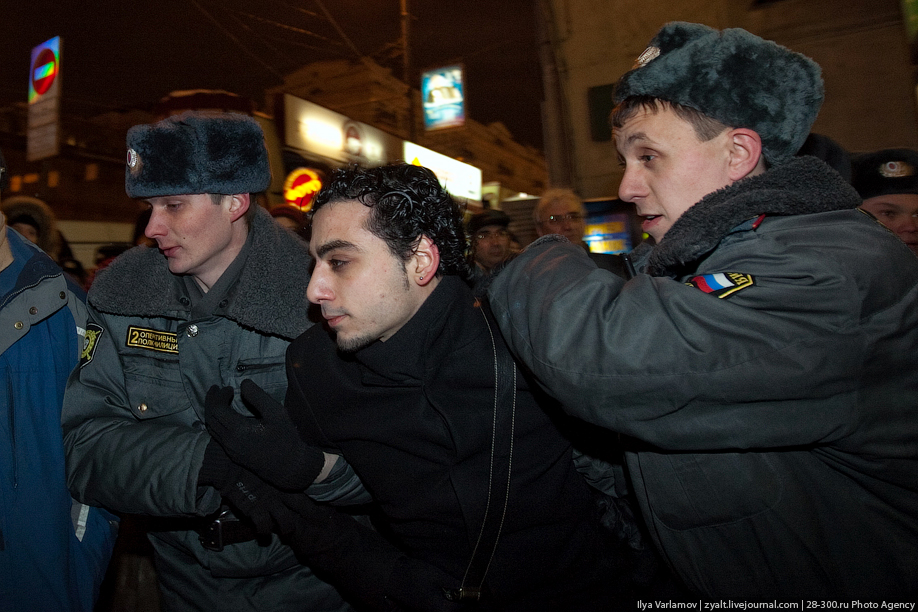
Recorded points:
(760, 364)
(217, 301)
(489, 236)
(887, 180)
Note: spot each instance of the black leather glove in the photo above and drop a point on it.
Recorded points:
(251, 497)
(359, 561)
(268, 445)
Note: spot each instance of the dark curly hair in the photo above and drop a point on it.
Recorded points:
(406, 202)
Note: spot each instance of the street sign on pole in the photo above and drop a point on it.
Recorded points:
(44, 101)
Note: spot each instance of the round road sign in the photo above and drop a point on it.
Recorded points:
(43, 71)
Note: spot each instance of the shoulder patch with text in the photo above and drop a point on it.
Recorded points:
(90, 342)
(152, 340)
(722, 284)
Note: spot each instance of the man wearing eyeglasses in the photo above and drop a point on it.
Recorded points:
(490, 243)
(561, 211)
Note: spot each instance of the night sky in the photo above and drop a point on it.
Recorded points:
(120, 55)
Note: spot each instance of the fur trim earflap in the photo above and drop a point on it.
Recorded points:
(885, 172)
(197, 152)
(734, 77)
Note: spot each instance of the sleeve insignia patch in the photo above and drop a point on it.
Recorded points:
(152, 340)
(722, 284)
(90, 342)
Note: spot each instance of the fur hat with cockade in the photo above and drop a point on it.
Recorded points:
(197, 152)
(733, 77)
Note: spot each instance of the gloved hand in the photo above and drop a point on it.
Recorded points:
(359, 561)
(250, 496)
(268, 445)
(253, 498)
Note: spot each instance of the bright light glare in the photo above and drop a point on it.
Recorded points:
(322, 133)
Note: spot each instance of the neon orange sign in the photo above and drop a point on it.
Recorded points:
(300, 187)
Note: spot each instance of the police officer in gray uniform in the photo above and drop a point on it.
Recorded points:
(217, 302)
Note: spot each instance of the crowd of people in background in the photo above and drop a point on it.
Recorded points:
(390, 404)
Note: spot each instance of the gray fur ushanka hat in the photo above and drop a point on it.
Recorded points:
(197, 152)
(734, 77)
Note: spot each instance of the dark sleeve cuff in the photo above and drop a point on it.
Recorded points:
(217, 466)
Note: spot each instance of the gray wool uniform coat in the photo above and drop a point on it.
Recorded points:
(134, 414)
(764, 366)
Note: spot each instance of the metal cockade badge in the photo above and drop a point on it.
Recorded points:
(650, 53)
(134, 162)
(896, 169)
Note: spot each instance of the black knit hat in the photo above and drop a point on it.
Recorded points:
(490, 216)
(885, 172)
(734, 77)
(197, 152)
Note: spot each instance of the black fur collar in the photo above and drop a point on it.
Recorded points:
(803, 185)
(270, 296)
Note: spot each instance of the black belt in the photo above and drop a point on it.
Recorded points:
(225, 529)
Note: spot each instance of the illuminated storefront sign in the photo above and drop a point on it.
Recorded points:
(608, 234)
(325, 133)
(460, 179)
(322, 131)
(443, 93)
(300, 187)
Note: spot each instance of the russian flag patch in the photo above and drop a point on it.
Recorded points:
(723, 284)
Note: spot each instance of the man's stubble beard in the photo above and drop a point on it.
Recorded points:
(352, 345)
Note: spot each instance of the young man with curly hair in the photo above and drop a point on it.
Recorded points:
(410, 382)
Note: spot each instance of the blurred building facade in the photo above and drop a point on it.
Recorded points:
(586, 45)
(371, 94)
(84, 183)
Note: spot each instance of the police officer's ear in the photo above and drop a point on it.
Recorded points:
(238, 205)
(423, 265)
(746, 156)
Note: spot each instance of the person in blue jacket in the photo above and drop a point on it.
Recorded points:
(53, 550)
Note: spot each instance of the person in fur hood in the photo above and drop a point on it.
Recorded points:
(759, 365)
(217, 301)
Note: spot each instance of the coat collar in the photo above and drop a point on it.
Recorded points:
(803, 185)
(407, 355)
(270, 296)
